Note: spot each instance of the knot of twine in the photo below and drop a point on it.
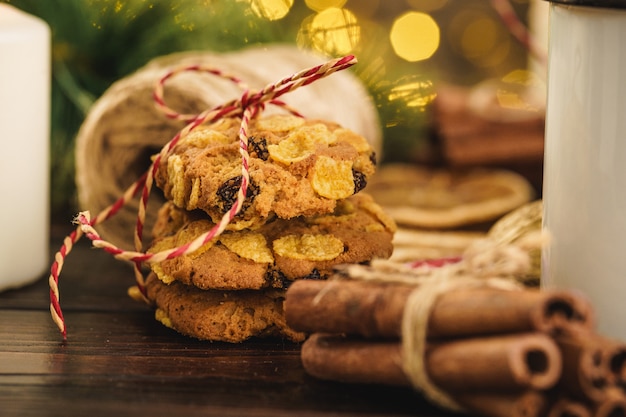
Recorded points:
(246, 107)
(484, 263)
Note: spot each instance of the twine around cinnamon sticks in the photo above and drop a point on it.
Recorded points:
(489, 347)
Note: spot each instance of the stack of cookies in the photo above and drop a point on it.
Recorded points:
(303, 215)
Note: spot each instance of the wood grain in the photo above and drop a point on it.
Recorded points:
(119, 361)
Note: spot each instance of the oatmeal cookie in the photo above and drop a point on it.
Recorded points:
(228, 316)
(297, 167)
(276, 253)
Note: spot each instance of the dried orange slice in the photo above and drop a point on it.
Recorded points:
(444, 199)
(411, 244)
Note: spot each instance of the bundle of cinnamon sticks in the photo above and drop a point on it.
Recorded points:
(472, 129)
(491, 351)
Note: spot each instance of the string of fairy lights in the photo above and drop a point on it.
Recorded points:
(415, 30)
(406, 48)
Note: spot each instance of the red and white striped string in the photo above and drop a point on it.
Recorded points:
(516, 27)
(248, 106)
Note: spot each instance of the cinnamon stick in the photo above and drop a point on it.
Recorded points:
(336, 358)
(481, 136)
(526, 404)
(613, 405)
(376, 309)
(496, 364)
(614, 359)
(566, 407)
(591, 364)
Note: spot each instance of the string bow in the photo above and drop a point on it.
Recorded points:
(246, 107)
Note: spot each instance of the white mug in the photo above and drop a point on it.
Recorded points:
(24, 147)
(585, 156)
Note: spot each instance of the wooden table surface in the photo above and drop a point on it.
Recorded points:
(119, 361)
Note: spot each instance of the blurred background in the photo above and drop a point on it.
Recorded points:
(407, 50)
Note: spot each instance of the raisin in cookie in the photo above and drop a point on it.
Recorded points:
(276, 253)
(297, 167)
(228, 316)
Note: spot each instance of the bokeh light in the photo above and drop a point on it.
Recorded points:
(271, 9)
(368, 8)
(333, 31)
(426, 5)
(320, 5)
(414, 36)
(479, 38)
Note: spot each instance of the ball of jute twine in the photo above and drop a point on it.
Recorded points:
(124, 128)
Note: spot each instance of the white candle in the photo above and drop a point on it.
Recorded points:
(24, 147)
